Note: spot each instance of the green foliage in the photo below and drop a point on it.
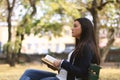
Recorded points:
(55, 28)
(11, 47)
(57, 7)
(25, 25)
(63, 7)
(108, 14)
(25, 3)
(51, 7)
(28, 28)
(3, 10)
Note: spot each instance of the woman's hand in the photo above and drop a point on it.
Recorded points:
(57, 63)
(53, 68)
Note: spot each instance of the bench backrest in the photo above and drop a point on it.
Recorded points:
(94, 71)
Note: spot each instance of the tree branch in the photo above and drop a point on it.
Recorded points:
(109, 43)
(8, 4)
(103, 4)
(118, 1)
(94, 6)
(32, 3)
(13, 4)
(89, 9)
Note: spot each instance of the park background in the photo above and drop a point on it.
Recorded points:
(30, 29)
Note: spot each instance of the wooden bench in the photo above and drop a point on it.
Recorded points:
(94, 71)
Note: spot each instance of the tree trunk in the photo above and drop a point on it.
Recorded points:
(9, 30)
(19, 52)
(12, 60)
(10, 9)
(107, 47)
(94, 12)
(9, 25)
(96, 22)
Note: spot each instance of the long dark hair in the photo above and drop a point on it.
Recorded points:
(87, 37)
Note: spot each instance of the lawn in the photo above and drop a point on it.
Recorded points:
(14, 73)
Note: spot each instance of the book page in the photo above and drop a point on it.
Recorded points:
(50, 58)
(49, 61)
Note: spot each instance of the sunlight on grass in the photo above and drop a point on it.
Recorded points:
(14, 73)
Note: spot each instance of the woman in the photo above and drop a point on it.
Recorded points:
(79, 60)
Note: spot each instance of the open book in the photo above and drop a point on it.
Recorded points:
(49, 61)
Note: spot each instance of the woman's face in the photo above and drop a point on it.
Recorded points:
(76, 30)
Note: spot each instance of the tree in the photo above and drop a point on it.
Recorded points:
(26, 23)
(112, 29)
(29, 23)
(10, 7)
(96, 7)
(11, 49)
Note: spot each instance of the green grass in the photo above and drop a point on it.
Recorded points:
(110, 74)
(14, 73)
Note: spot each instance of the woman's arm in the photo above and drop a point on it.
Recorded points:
(83, 63)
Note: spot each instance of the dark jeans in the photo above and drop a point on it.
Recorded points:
(38, 75)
